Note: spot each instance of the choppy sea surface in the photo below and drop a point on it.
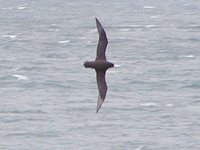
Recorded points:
(48, 99)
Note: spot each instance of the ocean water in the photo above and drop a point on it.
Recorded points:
(48, 99)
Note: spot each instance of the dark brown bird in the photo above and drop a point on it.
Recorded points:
(100, 65)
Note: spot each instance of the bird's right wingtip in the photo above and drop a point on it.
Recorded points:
(99, 26)
(96, 19)
(98, 23)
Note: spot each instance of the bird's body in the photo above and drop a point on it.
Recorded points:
(100, 65)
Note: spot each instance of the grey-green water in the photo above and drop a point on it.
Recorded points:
(48, 100)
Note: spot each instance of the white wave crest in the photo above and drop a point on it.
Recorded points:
(148, 104)
(20, 77)
(186, 56)
(140, 147)
(117, 66)
(151, 26)
(169, 105)
(148, 7)
(64, 41)
(12, 36)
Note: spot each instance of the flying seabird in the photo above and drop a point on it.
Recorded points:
(100, 65)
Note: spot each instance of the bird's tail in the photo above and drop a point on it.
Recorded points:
(99, 103)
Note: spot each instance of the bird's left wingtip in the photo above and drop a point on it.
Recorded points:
(99, 103)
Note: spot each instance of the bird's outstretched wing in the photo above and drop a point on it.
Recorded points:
(102, 44)
(102, 87)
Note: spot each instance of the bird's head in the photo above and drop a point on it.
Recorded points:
(87, 64)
